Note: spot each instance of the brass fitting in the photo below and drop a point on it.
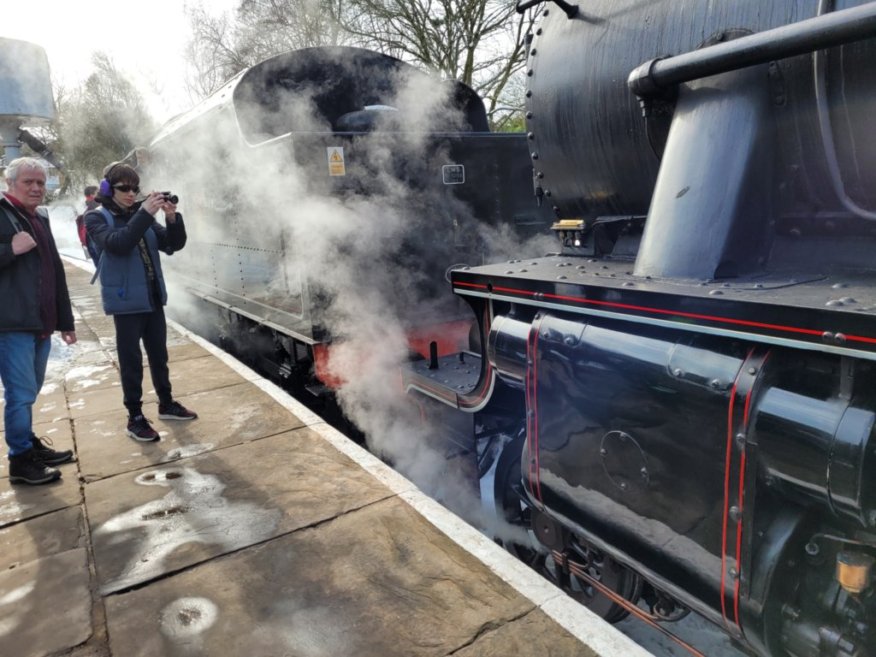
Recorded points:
(853, 570)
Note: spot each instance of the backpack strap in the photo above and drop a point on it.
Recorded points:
(10, 214)
(108, 216)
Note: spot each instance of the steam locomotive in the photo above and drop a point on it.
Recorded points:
(677, 407)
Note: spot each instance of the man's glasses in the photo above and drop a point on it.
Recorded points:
(127, 188)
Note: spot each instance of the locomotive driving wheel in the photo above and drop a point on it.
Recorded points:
(513, 506)
(601, 568)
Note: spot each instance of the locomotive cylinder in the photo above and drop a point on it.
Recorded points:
(820, 449)
(506, 349)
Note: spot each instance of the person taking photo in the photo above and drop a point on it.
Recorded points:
(129, 239)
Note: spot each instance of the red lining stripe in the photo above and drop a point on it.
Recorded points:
(531, 398)
(527, 389)
(467, 401)
(535, 406)
(745, 418)
(728, 453)
(663, 311)
(739, 535)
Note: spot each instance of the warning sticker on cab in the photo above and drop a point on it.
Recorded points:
(336, 161)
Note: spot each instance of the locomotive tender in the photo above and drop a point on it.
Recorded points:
(678, 407)
(691, 379)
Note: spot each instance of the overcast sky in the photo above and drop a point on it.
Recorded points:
(145, 39)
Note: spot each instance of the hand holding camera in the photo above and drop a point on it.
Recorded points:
(165, 201)
(169, 206)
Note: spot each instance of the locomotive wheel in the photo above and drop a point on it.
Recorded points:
(510, 503)
(607, 571)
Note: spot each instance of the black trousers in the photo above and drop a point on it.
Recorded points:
(151, 328)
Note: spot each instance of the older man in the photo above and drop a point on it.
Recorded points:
(35, 303)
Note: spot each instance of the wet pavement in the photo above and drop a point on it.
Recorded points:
(256, 529)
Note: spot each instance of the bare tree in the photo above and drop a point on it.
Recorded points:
(210, 53)
(100, 122)
(223, 45)
(479, 42)
(272, 26)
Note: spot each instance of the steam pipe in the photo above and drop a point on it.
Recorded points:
(833, 29)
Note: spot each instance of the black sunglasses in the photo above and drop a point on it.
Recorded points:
(127, 188)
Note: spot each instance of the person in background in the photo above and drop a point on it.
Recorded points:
(129, 238)
(90, 204)
(35, 303)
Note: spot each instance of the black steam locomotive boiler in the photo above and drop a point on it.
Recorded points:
(679, 405)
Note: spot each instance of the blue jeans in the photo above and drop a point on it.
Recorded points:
(23, 359)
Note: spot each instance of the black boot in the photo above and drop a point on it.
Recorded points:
(28, 469)
(48, 455)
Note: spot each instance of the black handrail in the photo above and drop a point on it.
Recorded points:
(570, 9)
(834, 29)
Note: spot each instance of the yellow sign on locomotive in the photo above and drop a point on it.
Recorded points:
(336, 161)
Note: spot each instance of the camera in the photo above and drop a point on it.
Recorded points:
(170, 196)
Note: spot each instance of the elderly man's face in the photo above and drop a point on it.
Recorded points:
(29, 187)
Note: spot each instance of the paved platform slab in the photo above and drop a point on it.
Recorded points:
(228, 416)
(198, 375)
(40, 537)
(19, 502)
(45, 605)
(406, 591)
(160, 520)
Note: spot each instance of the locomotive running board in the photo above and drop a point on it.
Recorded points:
(820, 314)
(253, 317)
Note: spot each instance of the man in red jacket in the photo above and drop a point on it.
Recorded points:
(35, 304)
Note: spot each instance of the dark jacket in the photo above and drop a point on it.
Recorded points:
(20, 276)
(124, 285)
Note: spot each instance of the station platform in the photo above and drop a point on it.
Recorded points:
(255, 530)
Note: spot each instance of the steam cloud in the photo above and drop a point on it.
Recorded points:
(371, 247)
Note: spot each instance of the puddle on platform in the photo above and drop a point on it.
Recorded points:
(186, 618)
(193, 511)
(186, 451)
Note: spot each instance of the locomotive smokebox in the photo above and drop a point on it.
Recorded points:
(716, 163)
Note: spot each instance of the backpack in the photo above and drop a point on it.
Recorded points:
(80, 228)
(91, 246)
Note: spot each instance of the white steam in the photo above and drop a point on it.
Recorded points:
(268, 227)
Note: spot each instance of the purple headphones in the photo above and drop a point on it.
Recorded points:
(106, 189)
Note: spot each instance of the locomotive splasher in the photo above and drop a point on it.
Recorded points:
(680, 406)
